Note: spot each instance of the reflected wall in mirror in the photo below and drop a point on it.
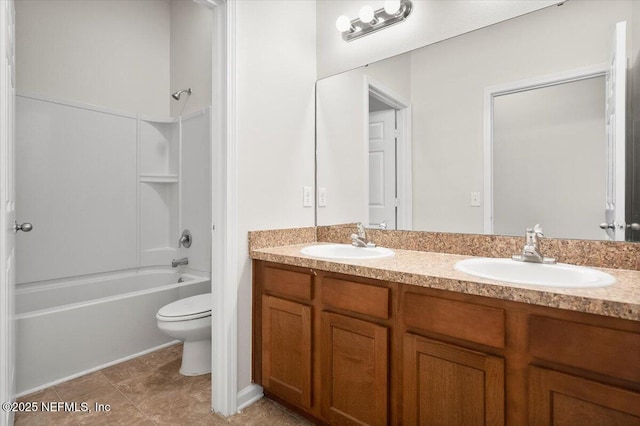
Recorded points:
(548, 150)
(547, 159)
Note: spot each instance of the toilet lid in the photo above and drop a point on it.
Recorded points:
(188, 308)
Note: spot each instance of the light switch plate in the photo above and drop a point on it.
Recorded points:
(475, 199)
(322, 197)
(307, 196)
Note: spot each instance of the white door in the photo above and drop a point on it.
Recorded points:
(615, 120)
(382, 168)
(7, 205)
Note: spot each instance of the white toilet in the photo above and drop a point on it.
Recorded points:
(189, 320)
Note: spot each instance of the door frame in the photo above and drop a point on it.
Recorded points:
(404, 152)
(224, 235)
(492, 92)
(7, 289)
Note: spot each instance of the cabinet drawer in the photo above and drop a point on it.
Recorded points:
(602, 350)
(561, 399)
(356, 297)
(474, 323)
(287, 283)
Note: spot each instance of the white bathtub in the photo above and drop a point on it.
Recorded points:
(67, 328)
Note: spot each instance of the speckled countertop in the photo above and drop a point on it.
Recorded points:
(435, 270)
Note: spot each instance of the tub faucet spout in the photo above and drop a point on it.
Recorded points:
(179, 262)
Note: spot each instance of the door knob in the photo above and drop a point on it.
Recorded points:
(633, 226)
(25, 227)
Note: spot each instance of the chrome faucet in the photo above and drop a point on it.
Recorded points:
(531, 249)
(382, 225)
(360, 239)
(179, 262)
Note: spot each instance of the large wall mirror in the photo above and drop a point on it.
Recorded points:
(522, 122)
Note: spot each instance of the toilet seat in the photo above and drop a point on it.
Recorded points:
(190, 308)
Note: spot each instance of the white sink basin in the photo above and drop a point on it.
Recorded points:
(346, 251)
(560, 275)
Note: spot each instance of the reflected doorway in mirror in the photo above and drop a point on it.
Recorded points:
(389, 158)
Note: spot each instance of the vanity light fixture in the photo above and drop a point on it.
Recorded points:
(369, 21)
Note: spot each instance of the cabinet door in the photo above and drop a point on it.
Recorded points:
(449, 385)
(354, 371)
(286, 349)
(562, 399)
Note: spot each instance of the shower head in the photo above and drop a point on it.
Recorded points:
(177, 95)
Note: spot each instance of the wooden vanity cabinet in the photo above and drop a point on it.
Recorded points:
(444, 382)
(354, 365)
(347, 350)
(286, 349)
(557, 398)
(284, 361)
(583, 372)
(492, 362)
(324, 343)
(354, 350)
(449, 385)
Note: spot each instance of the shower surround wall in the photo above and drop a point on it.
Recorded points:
(104, 189)
(108, 193)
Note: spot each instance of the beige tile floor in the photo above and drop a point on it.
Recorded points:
(148, 390)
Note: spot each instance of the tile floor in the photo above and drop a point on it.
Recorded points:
(148, 390)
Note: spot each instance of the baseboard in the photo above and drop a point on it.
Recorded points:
(249, 395)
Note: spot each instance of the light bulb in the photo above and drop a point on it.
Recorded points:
(392, 6)
(366, 14)
(343, 23)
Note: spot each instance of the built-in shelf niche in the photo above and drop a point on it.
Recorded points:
(159, 225)
(159, 148)
(159, 166)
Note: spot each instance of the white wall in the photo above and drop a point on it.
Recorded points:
(276, 62)
(191, 32)
(430, 21)
(108, 53)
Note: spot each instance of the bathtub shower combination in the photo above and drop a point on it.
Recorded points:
(67, 328)
(109, 194)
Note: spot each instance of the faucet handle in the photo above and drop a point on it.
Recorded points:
(533, 234)
(538, 230)
(382, 225)
(185, 239)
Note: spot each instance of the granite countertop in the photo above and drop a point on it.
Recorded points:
(435, 270)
